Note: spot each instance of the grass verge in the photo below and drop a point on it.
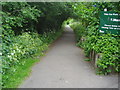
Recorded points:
(22, 71)
(24, 68)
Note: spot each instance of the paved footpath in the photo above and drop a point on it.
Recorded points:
(64, 67)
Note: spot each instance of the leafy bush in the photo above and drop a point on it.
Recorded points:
(79, 30)
(53, 14)
(18, 16)
(20, 28)
(87, 29)
(106, 44)
(24, 46)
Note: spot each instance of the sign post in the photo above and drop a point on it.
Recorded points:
(109, 22)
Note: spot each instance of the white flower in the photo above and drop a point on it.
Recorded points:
(9, 56)
(1, 54)
(12, 53)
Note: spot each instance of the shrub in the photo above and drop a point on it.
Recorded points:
(24, 46)
(106, 44)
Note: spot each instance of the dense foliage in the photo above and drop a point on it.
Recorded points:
(52, 15)
(29, 27)
(24, 46)
(21, 23)
(89, 38)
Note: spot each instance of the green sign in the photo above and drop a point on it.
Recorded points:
(109, 22)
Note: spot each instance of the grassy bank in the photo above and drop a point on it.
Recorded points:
(22, 71)
(18, 71)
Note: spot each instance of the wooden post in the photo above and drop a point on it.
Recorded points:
(97, 56)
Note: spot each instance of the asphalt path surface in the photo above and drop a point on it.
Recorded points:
(63, 66)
